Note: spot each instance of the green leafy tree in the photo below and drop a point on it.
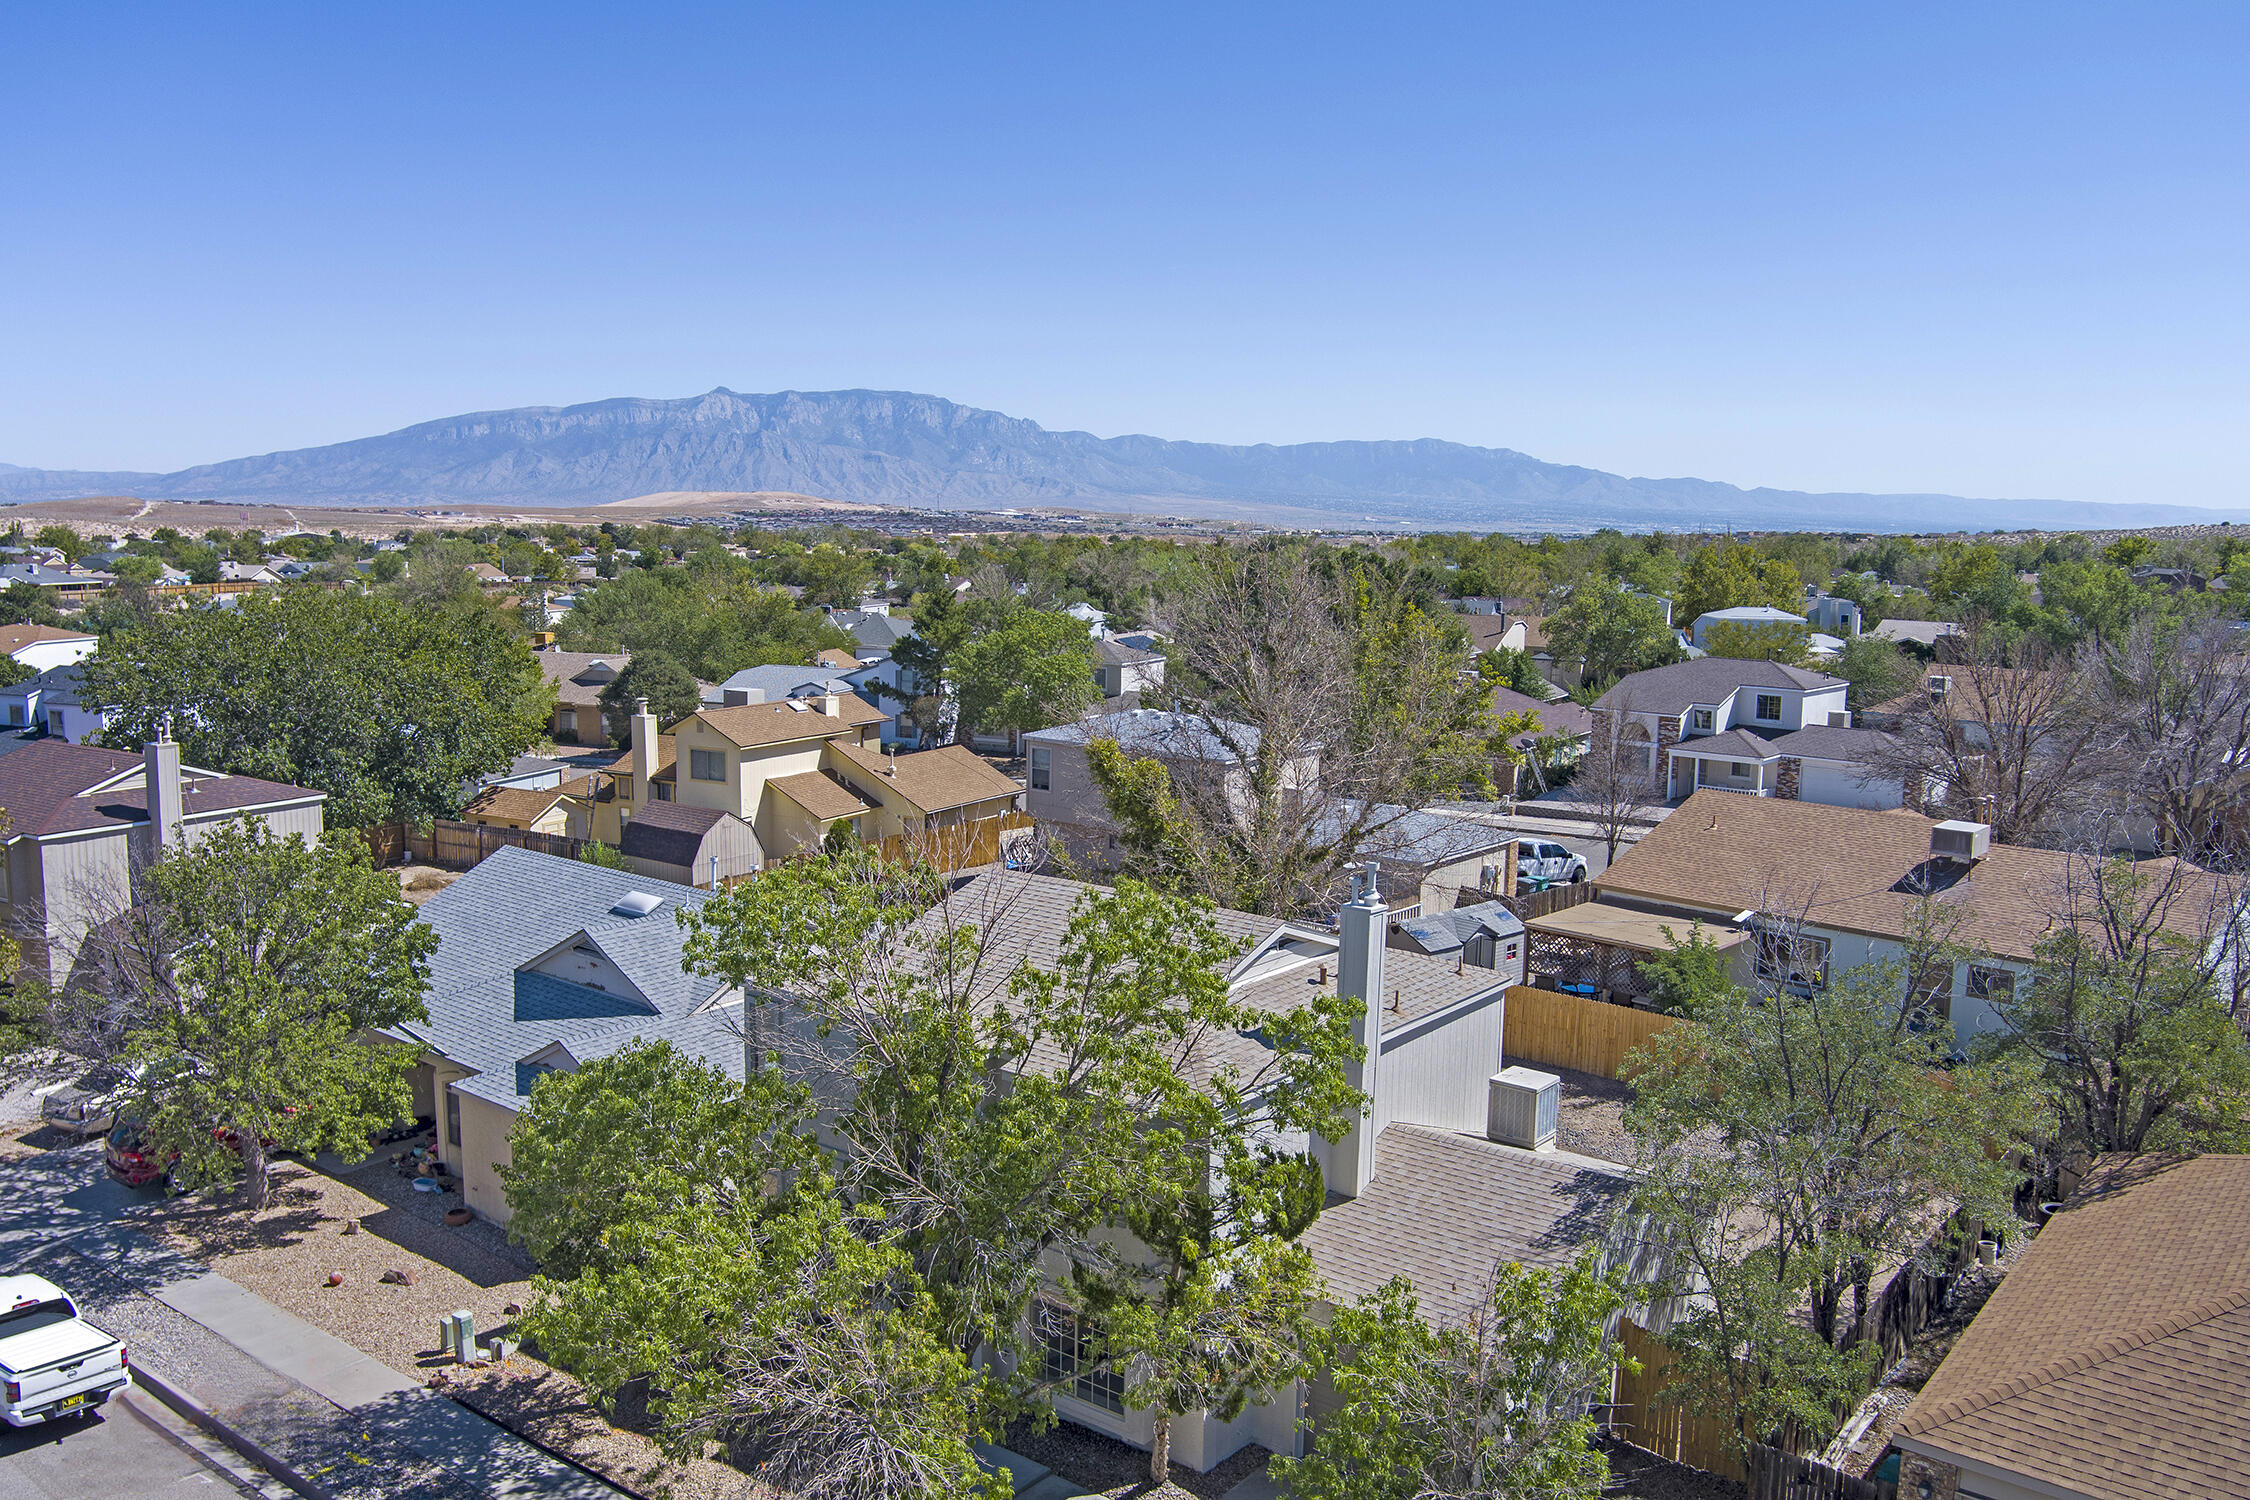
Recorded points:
(1694, 970)
(1504, 666)
(1612, 631)
(2128, 1019)
(1031, 670)
(669, 688)
(1975, 578)
(595, 852)
(244, 979)
(714, 1259)
(991, 1113)
(1730, 575)
(64, 540)
(1752, 640)
(1877, 671)
(389, 708)
(134, 568)
(1793, 1140)
(25, 603)
(1503, 1406)
(2082, 601)
(712, 615)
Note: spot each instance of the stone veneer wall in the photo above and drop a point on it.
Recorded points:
(1789, 782)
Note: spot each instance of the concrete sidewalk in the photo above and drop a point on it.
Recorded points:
(339, 1422)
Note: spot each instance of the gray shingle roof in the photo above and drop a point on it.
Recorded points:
(670, 833)
(1739, 744)
(775, 683)
(1820, 742)
(515, 907)
(1708, 679)
(875, 631)
(1447, 931)
(1154, 732)
(1444, 1209)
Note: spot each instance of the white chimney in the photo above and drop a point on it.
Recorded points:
(1362, 925)
(644, 751)
(161, 776)
(832, 704)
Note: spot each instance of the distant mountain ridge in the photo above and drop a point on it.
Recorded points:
(897, 448)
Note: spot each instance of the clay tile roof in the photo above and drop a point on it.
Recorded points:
(933, 780)
(2113, 1357)
(818, 795)
(751, 724)
(14, 638)
(1842, 866)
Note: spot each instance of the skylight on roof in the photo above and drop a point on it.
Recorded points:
(636, 904)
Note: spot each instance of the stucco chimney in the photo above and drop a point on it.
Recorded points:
(644, 751)
(832, 704)
(1363, 927)
(161, 776)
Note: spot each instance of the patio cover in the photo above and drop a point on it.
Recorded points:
(1622, 927)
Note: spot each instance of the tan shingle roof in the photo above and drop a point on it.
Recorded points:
(2113, 1357)
(1726, 852)
(818, 795)
(564, 668)
(514, 803)
(14, 638)
(836, 657)
(752, 724)
(933, 780)
(1444, 1209)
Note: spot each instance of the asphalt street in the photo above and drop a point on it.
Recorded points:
(131, 1449)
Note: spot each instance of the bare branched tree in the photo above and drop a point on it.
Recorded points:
(1612, 780)
(1315, 714)
(2180, 703)
(2009, 735)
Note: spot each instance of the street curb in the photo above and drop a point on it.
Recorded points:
(203, 1417)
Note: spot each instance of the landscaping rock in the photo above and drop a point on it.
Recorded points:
(335, 1278)
(398, 1276)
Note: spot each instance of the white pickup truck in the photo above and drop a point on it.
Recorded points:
(54, 1363)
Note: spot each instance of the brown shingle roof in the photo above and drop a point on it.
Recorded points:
(516, 804)
(933, 780)
(565, 668)
(752, 724)
(1560, 717)
(1443, 1209)
(818, 795)
(1839, 866)
(2113, 1357)
(44, 788)
(14, 638)
(623, 765)
(670, 833)
(836, 657)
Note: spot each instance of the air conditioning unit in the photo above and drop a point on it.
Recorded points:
(1940, 684)
(1521, 1108)
(1960, 841)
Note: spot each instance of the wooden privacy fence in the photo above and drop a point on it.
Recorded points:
(1700, 1439)
(1704, 1440)
(957, 846)
(461, 846)
(1776, 1475)
(1571, 1031)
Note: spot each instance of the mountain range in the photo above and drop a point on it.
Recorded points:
(899, 449)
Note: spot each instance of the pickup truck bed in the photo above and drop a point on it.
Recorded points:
(52, 1362)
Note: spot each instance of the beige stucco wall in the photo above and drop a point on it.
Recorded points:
(484, 1143)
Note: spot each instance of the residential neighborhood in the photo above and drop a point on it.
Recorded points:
(1060, 753)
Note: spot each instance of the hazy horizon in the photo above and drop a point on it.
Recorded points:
(1927, 251)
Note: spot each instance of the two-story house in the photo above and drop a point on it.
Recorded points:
(81, 818)
(578, 678)
(1661, 712)
(792, 770)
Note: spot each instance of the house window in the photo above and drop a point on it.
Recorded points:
(1993, 986)
(661, 790)
(1066, 1342)
(1791, 958)
(707, 765)
(1932, 988)
(1769, 708)
(1700, 720)
(1737, 769)
(452, 1117)
(1042, 769)
(15, 713)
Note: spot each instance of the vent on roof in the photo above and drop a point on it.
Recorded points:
(636, 904)
(799, 706)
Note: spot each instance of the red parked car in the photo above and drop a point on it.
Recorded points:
(136, 1164)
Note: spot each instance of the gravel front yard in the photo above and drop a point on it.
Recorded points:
(286, 1254)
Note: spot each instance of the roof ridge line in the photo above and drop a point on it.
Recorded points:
(2107, 1347)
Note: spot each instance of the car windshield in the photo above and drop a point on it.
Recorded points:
(26, 1316)
(125, 1138)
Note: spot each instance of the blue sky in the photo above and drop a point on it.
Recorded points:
(1995, 250)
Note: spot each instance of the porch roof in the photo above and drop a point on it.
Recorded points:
(1623, 927)
(1734, 744)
